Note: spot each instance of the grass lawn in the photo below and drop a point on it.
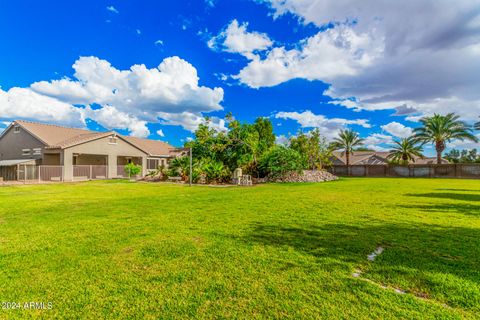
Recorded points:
(117, 249)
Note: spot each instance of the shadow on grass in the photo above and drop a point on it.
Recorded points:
(411, 249)
(449, 195)
(466, 209)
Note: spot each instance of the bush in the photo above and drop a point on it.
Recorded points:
(132, 169)
(281, 160)
(215, 172)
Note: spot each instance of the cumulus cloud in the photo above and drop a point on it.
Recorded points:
(236, 39)
(190, 121)
(110, 117)
(397, 129)
(128, 99)
(338, 51)
(160, 133)
(25, 103)
(378, 142)
(329, 127)
(420, 54)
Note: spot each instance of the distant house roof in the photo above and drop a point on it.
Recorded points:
(58, 137)
(375, 157)
(361, 157)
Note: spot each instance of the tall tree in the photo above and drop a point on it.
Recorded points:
(441, 129)
(313, 148)
(347, 140)
(405, 150)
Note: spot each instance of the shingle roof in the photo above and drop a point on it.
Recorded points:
(51, 135)
(54, 136)
(152, 147)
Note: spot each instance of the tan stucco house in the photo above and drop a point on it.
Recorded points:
(78, 152)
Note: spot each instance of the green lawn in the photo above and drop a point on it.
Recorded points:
(134, 250)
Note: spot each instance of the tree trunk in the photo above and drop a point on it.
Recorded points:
(347, 157)
(439, 147)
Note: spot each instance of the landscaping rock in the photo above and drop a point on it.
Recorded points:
(306, 176)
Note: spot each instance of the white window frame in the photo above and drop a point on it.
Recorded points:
(26, 152)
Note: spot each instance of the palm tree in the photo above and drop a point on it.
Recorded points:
(180, 166)
(440, 129)
(405, 151)
(346, 141)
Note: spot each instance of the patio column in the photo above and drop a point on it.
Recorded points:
(112, 166)
(66, 159)
(144, 166)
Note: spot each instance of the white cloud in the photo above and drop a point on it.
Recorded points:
(236, 39)
(339, 51)
(210, 3)
(458, 144)
(138, 31)
(111, 118)
(159, 42)
(128, 99)
(27, 104)
(378, 142)
(190, 121)
(112, 9)
(172, 87)
(421, 54)
(397, 129)
(160, 133)
(329, 127)
(282, 140)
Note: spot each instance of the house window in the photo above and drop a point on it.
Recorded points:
(152, 164)
(25, 152)
(37, 151)
(112, 140)
(16, 129)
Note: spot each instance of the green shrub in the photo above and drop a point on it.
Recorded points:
(281, 160)
(132, 169)
(215, 172)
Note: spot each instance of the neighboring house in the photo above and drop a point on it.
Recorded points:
(374, 158)
(27, 143)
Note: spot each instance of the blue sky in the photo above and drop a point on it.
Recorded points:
(305, 64)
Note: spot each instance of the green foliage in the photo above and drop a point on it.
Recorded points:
(215, 172)
(405, 151)
(242, 146)
(441, 129)
(132, 169)
(313, 148)
(180, 167)
(161, 172)
(347, 140)
(463, 156)
(281, 160)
